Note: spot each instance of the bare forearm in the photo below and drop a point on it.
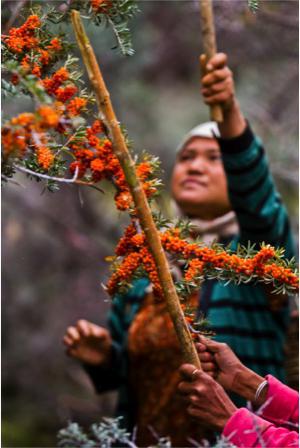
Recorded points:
(246, 383)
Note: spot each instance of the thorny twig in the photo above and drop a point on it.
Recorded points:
(45, 176)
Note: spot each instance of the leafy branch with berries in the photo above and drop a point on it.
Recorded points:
(56, 143)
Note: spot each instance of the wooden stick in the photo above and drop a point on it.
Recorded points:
(210, 48)
(141, 204)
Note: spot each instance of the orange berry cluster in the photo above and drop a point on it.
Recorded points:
(258, 266)
(261, 266)
(34, 50)
(28, 131)
(195, 269)
(62, 89)
(125, 271)
(101, 6)
(59, 85)
(95, 155)
(125, 245)
(133, 242)
(33, 53)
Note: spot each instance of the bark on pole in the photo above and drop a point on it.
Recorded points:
(209, 47)
(136, 190)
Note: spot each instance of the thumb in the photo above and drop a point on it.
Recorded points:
(212, 346)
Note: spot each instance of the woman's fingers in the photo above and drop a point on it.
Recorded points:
(209, 366)
(83, 327)
(67, 341)
(193, 410)
(216, 76)
(218, 98)
(185, 388)
(88, 329)
(219, 60)
(206, 357)
(72, 334)
(218, 87)
(200, 347)
(189, 372)
(98, 332)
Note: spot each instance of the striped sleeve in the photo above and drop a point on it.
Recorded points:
(253, 196)
(124, 308)
(109, 376)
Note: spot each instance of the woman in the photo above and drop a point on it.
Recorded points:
(222, 183)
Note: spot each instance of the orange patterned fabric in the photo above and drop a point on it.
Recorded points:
(154, 358)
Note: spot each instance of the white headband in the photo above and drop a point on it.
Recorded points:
(206, 130)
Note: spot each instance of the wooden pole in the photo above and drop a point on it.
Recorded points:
(209, 47)
(141, 204)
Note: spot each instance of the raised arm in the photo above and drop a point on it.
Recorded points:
(252, 192)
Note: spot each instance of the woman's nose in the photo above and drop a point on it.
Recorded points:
(197, 165)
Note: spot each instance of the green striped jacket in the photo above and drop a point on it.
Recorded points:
(240, 315)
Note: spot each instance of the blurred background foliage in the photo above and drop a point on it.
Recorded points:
(54, 245)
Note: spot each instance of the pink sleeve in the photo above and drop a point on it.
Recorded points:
(245, 429)
(282, 404)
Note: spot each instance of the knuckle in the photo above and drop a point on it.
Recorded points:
(193, 399)
(181, 386)
(191, 410)
(81, 322)
(199, 390)
(219, 75)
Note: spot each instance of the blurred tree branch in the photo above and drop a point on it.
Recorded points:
(18, 5)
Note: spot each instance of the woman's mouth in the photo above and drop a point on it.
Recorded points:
(192, 182)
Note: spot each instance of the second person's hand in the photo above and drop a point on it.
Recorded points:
(88, 342)
(219, 361)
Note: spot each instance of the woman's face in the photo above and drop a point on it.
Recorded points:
(199, 184)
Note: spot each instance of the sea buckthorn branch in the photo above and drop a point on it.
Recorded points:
(253, 5)
(44, 176)
(142, 207)
(198, 262)
(266, 265)
(88, 145)
(115, 14)
(33, 46)
(31, 143)
(43, 144)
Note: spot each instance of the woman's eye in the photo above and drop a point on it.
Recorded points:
(185, 157)
(214, 157)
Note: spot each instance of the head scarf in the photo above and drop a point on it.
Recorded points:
(205, 130)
